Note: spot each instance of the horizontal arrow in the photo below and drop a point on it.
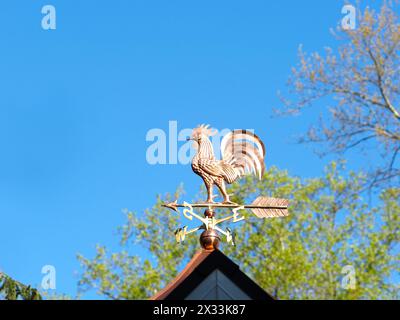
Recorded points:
(262, 207)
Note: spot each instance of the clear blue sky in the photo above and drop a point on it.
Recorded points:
(76, 104)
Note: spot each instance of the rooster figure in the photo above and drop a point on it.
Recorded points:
(242, 153)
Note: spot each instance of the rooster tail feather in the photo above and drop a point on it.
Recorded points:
(244, 151)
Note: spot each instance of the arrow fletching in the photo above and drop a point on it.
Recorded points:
(274, 207)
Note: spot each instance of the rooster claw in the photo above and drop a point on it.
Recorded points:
(229, 202)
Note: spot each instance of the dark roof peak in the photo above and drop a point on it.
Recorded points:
(203, 263)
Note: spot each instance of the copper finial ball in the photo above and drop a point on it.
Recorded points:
(209, 213)
(209, 239)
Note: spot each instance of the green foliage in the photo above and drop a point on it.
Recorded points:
(298, 257)
(124, 276)
(14, 290)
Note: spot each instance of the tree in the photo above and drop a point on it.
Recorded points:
(302, 256)
(361, 81)
(11, 289)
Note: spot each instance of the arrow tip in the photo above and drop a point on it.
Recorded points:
(172, 205)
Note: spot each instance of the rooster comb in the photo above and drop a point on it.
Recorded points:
(203, 129)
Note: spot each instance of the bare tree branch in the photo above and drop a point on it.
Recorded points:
(362, 81)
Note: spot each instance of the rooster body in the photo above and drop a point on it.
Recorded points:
(242, 152)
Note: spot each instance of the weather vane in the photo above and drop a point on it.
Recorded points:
(242, 153)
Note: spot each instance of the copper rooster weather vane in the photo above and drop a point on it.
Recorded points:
(242, 153)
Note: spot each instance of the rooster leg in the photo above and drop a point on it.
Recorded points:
(221, 186)
(209, 186)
